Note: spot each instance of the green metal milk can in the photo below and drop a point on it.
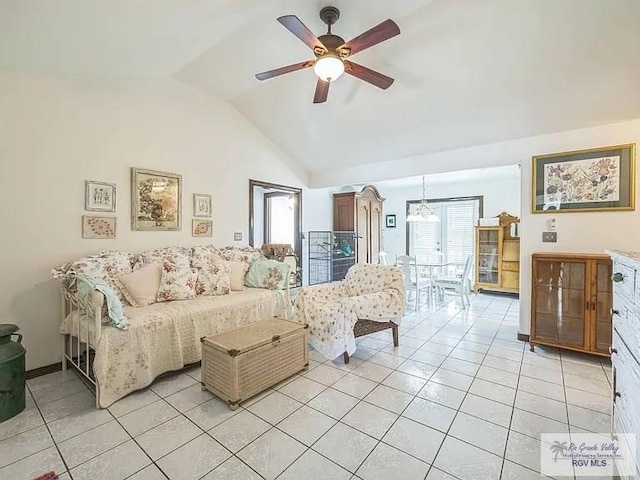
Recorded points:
(12, 357)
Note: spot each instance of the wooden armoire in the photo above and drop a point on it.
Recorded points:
(361, 213)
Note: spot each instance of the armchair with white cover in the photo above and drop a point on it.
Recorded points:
(370, 298)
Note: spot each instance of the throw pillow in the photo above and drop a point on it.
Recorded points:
(202, 254)
(270, 274)
(140, 287)
(106, 266)
(238, 271)
(214, 278)
(177, 283)
(177, 255)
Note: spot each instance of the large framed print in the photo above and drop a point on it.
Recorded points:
(598, 179)
(156, 200)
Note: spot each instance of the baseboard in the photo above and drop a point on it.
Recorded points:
(523, 337)
(38, 372)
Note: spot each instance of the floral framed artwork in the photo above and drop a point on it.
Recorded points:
(98, 227)
(201, 228)
(390, 221)
(598, 179)
(156, 200)
(99, 196)
(201, 205)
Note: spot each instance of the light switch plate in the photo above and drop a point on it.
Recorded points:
(237, 237)
(549, 237)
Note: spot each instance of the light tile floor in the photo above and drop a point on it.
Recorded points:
(460, 398)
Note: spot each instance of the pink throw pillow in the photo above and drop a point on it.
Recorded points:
(140, 287)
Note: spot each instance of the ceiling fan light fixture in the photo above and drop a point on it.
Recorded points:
(329, 67)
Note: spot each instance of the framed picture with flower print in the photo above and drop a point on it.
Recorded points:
(201, 228)
(598, 179)
(99, 196)
(156, 200)
(98, 227)
(201, 205)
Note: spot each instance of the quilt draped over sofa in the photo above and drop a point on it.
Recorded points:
(371, 292)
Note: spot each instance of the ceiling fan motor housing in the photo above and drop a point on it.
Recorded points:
(329, 15)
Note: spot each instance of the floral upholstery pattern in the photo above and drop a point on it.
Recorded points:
(240, 254)
(106, 267)
(214, 278)
(203, 254)
(371, 292)
(180, 256)
(177, 283)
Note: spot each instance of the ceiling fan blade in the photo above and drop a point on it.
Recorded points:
(373, 36)
(282, 70)
(368, 75)
(322, 90)
(300, 30)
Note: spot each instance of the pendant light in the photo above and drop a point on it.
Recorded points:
(423, 213)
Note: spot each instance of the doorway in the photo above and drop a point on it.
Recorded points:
(275, 215)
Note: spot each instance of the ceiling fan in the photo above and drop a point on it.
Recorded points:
(332, 51)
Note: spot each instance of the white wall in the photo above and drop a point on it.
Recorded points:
(57, 132)
(499, 194)
(577, 232)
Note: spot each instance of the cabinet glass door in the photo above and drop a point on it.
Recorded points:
(603, 305)
(560, 299)
(488, 245)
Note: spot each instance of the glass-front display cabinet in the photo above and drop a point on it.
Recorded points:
(488, 252)
(571, 302)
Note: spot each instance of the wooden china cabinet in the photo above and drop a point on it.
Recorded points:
(571, 302)
(361, 213)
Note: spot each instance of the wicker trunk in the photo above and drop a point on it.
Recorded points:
(239, 364)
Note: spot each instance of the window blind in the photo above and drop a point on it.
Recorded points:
(454, 235)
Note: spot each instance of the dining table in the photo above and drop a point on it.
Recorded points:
(431, 266)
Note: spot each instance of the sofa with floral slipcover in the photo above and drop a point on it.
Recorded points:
(370, 298)
(167, 299)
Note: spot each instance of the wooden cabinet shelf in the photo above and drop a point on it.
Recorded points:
(571, 301)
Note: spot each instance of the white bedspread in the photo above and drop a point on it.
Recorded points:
(165, 336)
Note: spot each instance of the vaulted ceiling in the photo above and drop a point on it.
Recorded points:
(467, 72)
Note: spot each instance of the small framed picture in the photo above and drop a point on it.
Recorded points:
(99, 196)
(201, 228)
(98, 227)
(201, 205)
(390, 221)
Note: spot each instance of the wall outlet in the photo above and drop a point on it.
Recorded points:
(549, 237)
(237, 237)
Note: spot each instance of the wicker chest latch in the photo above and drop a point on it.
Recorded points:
(275, 340)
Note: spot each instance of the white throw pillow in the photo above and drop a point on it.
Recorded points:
(238, 271)
(140, 287)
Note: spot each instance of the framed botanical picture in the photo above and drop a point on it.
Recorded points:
(98, 227)
(597, 179)
(390, 221)
(201, 228)
(201, 205)
(99, 196)
(156, 200)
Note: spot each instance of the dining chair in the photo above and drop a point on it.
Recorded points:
(383, 258)
(458, 283)
(413, 283)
